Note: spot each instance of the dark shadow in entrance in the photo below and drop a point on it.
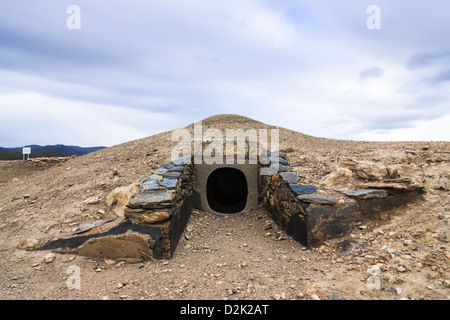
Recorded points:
(226, 190)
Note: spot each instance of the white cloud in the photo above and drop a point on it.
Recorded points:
(313, 67)
(42, 119)
(433, 130)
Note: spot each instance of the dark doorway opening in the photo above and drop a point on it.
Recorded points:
(226, 190)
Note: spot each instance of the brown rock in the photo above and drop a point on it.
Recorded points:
(154, 217)
(119, 197)
(27, 244)
(128, 245)
(338, 177)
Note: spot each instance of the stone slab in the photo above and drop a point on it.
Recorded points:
(171, 175)
(365, 193)
(150, 184)
(169, 183)
(289, 177)
(166, 166)
(317, 199)
(152, 197)
(300, 189)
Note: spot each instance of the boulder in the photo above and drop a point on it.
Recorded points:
(340, 176)
(27, 244)
(119, 197)
(154, 217)
(369, 170)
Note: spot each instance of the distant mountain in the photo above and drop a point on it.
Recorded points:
(58, 150)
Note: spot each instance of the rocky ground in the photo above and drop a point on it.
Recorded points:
(243, 256)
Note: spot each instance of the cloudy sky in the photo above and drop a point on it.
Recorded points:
(136, 68)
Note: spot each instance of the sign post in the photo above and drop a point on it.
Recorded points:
(26, 153)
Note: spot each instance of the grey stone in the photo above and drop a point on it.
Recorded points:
(347, 246)
(399, 180)
(299, 189)
(391, 187)
(278, 160)
(49, 258)
(181, 161)
(365, 193)
(150, 185)
(279, 167)
(157, 177)
(317, 199)
(169, 183)
(160, 171)
(171, 175)
(152, 197)
(289, 177)
(177, 169)
(88, 226)
(336, 296)
(166, 166)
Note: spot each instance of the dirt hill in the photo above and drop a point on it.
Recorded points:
(243, 256)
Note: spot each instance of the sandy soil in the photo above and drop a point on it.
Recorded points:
(243, 256)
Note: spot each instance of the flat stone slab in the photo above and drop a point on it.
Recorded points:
(365, 193)
(166, 166)
(277, 159)
(317, 199)
(88, 226)
(177, 169)
(152, 197)
(300, 189)
(150, 184)
(169, 183)
(171, 175)
(160, 170)
(279, 167)
(156, 177)
(390, 186)
(289, 177)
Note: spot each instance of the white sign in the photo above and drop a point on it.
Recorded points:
(26, 150)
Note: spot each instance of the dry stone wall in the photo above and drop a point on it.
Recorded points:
(164, 201)
(311, 215)
(156, 214)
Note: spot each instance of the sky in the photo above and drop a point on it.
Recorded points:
(108, 72)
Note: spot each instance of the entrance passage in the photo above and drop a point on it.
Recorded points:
(226, 190)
